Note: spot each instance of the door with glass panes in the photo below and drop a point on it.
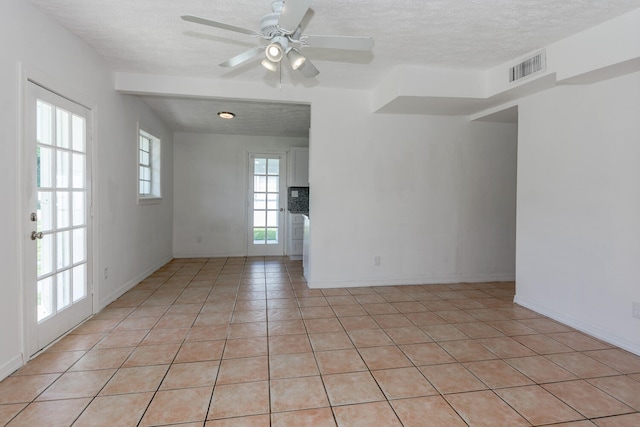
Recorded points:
(57, 267)
(267, 189)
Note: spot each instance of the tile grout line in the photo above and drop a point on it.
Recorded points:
(246, 285)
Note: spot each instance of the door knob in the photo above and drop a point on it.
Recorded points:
(36, 235)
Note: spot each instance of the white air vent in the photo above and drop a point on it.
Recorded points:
(530, 66)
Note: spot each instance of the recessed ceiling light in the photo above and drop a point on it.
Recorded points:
(226, 115)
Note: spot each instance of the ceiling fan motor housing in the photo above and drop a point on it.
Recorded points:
(269, 25)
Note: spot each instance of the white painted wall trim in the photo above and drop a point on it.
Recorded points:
(587, 328)
(129, 285)
(410, 281)
(22, 76)
(27, 74)
(207, 255)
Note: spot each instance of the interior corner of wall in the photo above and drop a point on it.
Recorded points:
(385, 92)
(591, 329)
(11, 366)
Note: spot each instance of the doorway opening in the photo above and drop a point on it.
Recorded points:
(267, 194)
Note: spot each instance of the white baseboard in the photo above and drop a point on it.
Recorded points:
(10, 367)
(318, 284)
(130, 284)
(587, 328)
(179, 255)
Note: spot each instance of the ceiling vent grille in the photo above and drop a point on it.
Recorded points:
(528, 67)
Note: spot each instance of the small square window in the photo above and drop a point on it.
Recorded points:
(149, 167)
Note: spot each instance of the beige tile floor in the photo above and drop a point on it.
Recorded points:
(243, 342)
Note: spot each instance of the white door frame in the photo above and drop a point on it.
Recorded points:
(28, 74)
(283, 193)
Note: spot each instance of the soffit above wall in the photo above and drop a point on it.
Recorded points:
(460, 37)
(252, 117)
(508, 115)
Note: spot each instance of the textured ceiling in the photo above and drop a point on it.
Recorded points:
(148, 36)
(252, 118)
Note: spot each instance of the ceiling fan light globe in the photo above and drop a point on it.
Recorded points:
(274, 52)
(298, 63)
(296, 59)
(271, 66)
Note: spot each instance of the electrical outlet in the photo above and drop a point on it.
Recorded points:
(106, 273)
(636, 310)
(376, 260)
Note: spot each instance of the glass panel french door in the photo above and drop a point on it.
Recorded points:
(266, 202)
(57, 265)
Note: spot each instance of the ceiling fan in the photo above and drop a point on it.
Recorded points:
(281, 29)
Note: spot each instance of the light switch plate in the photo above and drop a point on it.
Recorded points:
(294, 193)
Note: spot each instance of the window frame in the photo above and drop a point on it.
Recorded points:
(154, 165)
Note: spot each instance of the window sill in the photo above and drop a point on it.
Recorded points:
(149, 200)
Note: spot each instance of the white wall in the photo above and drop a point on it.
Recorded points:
(134, 240)
(211, 190)
(433, 196)
(578, 246)
(124, 230)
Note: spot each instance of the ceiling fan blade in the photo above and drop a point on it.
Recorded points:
(292, 13)
(338, 42)
(210, 23)
(308, 69)
(243, 57)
